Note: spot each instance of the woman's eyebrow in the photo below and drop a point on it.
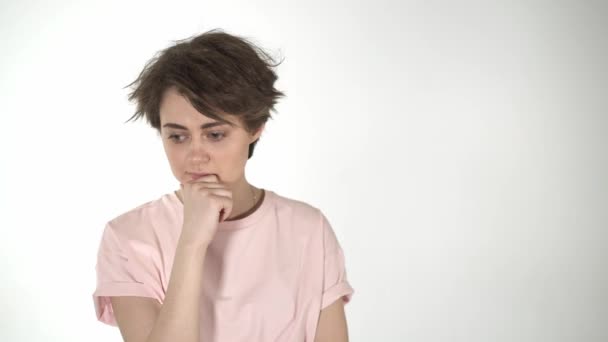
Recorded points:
(203, 126)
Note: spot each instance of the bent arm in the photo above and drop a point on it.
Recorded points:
(177, 319)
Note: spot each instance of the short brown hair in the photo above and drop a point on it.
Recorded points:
(217, 72)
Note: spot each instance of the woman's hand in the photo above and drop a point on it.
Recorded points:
(206, 203)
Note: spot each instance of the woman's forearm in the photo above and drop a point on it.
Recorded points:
(178, 318)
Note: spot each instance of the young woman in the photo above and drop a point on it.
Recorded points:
(218, 259)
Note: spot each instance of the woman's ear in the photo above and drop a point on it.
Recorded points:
(258, 133)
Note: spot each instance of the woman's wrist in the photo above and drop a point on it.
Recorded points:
(195, 249)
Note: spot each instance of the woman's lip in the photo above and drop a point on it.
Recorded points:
(198, 175)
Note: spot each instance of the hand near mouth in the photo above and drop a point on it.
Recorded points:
(206, 203)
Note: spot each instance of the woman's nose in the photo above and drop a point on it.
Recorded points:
(198, 153)
(199, 159)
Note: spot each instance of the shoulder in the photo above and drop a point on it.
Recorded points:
(141, 219)
(300, 214)
(294, 207)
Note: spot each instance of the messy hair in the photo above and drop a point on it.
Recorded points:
(218, 73)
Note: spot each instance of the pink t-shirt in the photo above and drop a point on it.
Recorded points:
(266, 276)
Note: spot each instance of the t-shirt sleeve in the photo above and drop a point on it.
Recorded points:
(335, 282)
(121, 271)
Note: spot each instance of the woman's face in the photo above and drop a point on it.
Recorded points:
(198, 144)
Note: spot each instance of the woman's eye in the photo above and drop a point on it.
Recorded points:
(176, 138)
(216, 136)
(213, 136)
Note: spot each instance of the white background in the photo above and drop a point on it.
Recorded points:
(459, 149)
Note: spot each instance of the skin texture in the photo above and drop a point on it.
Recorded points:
(332, 326)
(222, 152)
